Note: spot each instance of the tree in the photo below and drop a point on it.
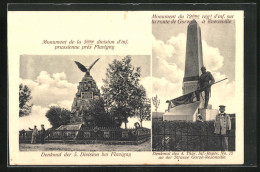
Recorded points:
(25, 107)
(143, 111)
(96, 109)
(156, 103)
(142, 106)
(58, 116)
(121, 90)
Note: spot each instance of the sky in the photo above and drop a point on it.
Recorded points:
(168, 54)
(53, 80)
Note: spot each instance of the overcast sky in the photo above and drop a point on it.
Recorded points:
(54, 80)
(169, 48)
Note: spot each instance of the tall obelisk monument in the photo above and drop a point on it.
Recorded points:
(193, 64)
(194, 58)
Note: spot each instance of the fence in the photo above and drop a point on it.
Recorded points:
(188, 136)
(101, 133)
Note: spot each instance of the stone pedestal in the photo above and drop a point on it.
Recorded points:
(190, 112)
(208, 114)
(185, 112)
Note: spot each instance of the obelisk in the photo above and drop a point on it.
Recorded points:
(194, 58)
(193, 64)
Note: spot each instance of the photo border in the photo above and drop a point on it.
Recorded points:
(250, 64)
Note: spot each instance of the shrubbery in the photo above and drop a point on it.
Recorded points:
(188, 136)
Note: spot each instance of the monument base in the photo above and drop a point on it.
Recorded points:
(76, 126)
(185, 112)
(190, 112)
(208, 114)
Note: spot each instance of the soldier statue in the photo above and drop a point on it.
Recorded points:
(205, 81)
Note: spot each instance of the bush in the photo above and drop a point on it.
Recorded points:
(58, 116)
(188, 136)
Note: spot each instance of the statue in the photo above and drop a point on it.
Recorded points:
(84, 68)
(205, 81)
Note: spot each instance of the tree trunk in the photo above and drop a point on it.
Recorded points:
(125, 122)
(141, 123)
(125, 125)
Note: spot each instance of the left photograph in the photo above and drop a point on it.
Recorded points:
(85, 103)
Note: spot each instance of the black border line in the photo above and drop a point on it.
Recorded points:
(250, 65)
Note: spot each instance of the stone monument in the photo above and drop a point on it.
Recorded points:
(194, 58)
(193, 64)
(87, 91)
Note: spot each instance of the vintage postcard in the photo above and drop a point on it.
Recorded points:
(125, 87)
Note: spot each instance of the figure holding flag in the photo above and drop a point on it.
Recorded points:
(205, 81)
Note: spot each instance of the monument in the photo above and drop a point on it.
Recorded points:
(194, 58)
(87, 91)
(188, 111)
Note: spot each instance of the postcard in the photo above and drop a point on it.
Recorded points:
(125, 88)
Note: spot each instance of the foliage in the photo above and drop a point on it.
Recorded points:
(156, 102)
(24, 98)
(136, 124)
(97, 111)
(58, 116)
(143, 111)
(188, 136)
(121, 90)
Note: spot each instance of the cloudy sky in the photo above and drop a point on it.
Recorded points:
(54, 79)
(169, 48)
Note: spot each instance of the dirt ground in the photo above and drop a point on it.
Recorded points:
(146, 146)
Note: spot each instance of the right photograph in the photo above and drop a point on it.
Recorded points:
(193, 69)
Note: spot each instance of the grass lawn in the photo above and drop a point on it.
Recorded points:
(146, 146)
